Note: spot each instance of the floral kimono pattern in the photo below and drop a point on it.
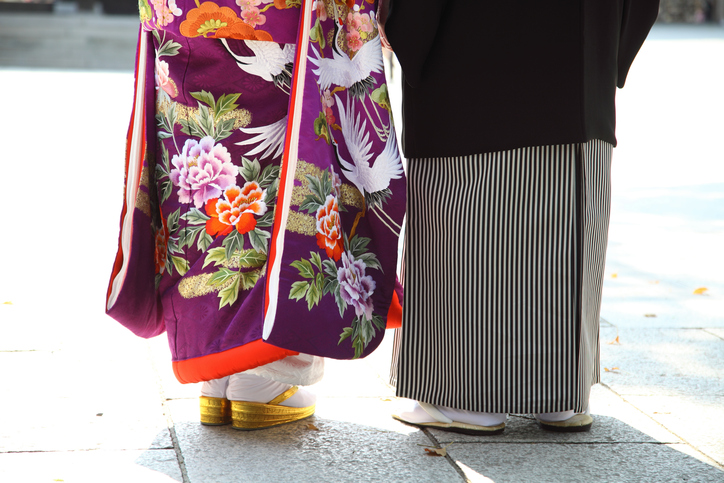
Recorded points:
(264, 190)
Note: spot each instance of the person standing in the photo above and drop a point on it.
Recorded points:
(254, 231)
(509, 127)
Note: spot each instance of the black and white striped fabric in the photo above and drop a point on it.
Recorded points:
(504, 266)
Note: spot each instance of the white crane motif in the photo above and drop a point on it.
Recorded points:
(372, 181)
(270, 62)
(354, 74)
(270, 138)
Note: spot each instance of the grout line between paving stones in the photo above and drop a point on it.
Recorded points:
(169, 418)
(712, 461)
(712, 333)
(449, 459)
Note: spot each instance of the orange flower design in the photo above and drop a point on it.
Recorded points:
(210, 20)
(329, 228)
(243, 31)
(207, 19)
(237, 209)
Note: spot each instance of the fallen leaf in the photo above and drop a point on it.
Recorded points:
(662, 412)
(435, 452)
(613, 369)
(655, 282)
(385, 399)
(615, 341)
(700, 291)
(7, 303)
(614, 275)
(312, 427)
(649, 315)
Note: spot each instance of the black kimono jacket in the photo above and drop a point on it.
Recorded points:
(483, 76)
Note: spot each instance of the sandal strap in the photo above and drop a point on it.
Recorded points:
(284, 396)
(434, 412)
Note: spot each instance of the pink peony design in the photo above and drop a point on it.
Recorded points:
(356, 288)
(202, 171)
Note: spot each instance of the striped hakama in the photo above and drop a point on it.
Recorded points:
(503, 274)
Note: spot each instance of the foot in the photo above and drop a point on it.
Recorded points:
(451, 419)
(565, 421)
(251, 388)
(416, 413)
(215, 388)
(215, 409)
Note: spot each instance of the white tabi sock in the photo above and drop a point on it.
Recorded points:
(415, 413)
(215, 387)
(560, 416)
(251, 388)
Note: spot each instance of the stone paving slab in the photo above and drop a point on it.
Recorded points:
(156, 466)
(697, 419)
(75, 384)
(663, 362)
(717, 332)
(575, 463)
(352, 442)
(615, 421)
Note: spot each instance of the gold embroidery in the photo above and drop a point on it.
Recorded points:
(143, 202)
(198, 286)
(298, 195)
(301, 223)
(241, 116)
(303, 169)
(145, 179)
(350, 196)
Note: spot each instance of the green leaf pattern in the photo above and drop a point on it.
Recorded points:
(239, 261)
(319, 278)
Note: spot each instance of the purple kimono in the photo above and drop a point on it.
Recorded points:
(264, 190)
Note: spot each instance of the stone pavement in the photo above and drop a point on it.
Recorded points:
(83, 400)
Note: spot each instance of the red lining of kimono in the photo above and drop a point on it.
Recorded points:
(285, 157)
(394, 314)
(220, 364)
(118, 263)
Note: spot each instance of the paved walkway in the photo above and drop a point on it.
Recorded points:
(82, 400)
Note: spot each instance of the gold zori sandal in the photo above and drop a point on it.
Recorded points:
(251, 415)
(215, 411)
